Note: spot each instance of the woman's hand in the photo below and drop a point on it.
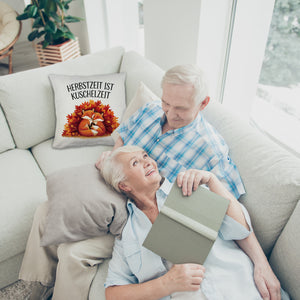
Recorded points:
(189, 180)
(183, 277)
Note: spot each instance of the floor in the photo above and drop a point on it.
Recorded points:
(23, 58)
(19, 290)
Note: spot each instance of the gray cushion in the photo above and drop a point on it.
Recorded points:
(285, 255)
(270, 174)
(81, 206)
(34, 119)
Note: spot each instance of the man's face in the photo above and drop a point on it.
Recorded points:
(179, 105)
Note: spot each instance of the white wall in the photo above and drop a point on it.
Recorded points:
(123, 23)
(171, 31)
(96, 31)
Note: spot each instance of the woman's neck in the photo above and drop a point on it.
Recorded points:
(146, 202)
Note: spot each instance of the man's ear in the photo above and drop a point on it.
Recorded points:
(124, 187)
(204, 103)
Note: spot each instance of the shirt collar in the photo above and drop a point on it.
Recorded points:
(181, 130)
(161, 195)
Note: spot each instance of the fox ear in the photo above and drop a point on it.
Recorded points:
(124, 187)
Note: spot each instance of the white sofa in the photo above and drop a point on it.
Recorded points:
(270, 174)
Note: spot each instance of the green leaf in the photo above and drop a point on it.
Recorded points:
(50, 6)
(56, 17)
(70, 35)
(32, 11)
(71, 19)
(51, 27)
(64, 28)
(27, 8)
(37, 23)
(42, 4)
(33, 35)
(41, 33)
(45, 44)
(23, 16)
(59, 4)
(48, 37)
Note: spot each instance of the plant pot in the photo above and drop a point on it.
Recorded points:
(57, 53)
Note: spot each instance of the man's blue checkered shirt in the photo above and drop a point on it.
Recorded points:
(195, 146)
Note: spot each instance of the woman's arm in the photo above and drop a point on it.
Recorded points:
(184, 277)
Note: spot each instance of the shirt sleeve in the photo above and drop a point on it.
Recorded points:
(233, 230)
(119, 272)
(225, 169)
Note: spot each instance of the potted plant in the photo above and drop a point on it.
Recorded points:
(49, 25)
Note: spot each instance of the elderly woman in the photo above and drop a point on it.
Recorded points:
(137, 273)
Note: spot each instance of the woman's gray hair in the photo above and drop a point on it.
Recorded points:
(188, 74)
(112, 170)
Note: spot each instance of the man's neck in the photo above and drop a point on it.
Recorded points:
(166, 127)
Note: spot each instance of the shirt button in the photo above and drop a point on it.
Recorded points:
(157, 140)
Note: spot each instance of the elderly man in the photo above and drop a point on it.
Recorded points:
(176, 135)
(141, 274)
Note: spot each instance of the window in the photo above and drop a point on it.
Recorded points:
(276, 108)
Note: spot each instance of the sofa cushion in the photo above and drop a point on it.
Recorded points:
(51, 160)
(82, 206)
(29, 106)
(23, 187)
(140, 69)
(270, 174)
(285, 255)
(142, 96)
(6, 141)
(88, 108)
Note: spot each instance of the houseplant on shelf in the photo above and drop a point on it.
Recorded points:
(49, 26)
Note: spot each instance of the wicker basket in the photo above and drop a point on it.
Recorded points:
(57, 53)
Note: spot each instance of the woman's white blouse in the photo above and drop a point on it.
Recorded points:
(229, 271)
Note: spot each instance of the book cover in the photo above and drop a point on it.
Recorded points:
(187, 226)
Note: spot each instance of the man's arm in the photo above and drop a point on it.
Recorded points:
(264, 277)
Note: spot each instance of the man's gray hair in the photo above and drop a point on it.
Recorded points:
(188, 74)
(111, 170)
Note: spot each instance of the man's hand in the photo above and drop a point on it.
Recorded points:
(183, 277)
(266, 282)
(102, 157)
(189, 180)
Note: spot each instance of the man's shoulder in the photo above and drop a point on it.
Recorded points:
(152, 105)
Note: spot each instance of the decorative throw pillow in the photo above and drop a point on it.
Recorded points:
(142, 96)
(82, 206)
(88, 108)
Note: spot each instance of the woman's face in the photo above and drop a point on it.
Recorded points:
(140, 170)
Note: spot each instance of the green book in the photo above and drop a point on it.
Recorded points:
(187, 226)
